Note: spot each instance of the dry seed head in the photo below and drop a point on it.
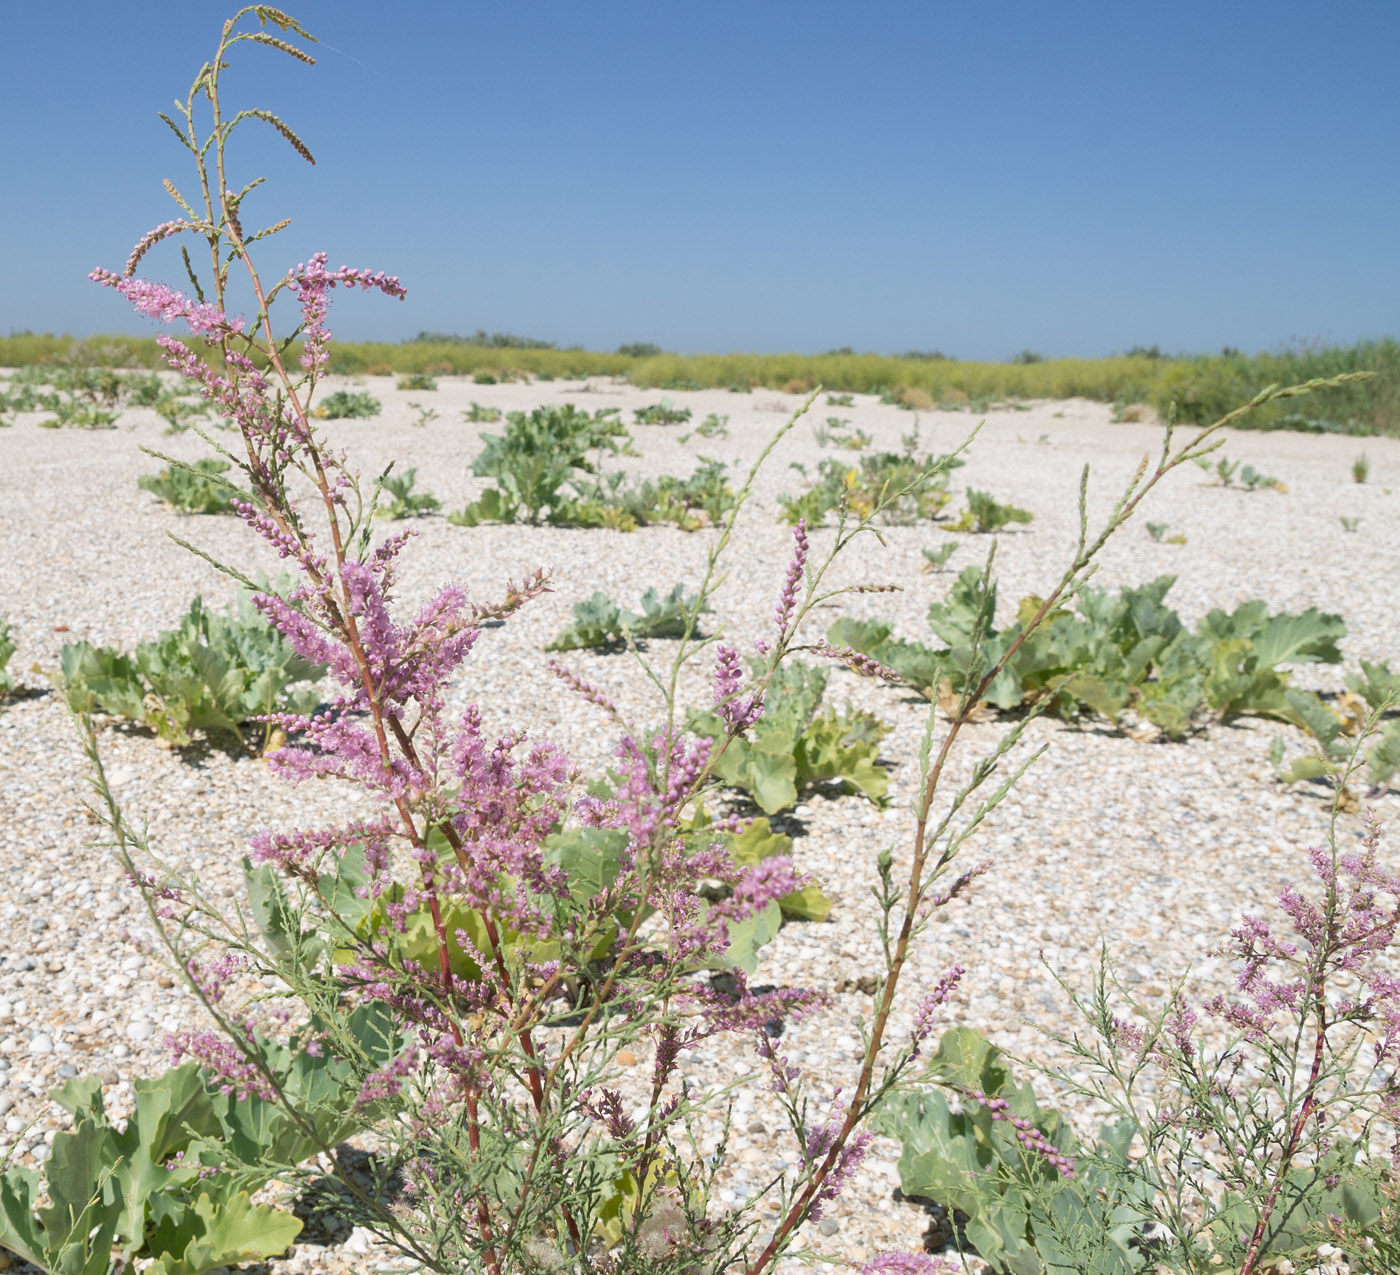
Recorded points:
(293, 140)
(261, 37)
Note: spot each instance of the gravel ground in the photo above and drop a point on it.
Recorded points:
(1154, 848)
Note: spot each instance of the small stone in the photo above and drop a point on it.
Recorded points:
(67, 1071)
(757, 1128)
(358, 1241)
(41, 1044)
(829, 1226)
(626, 1058)
(141, 1030)
(24, 964)
(38, 925)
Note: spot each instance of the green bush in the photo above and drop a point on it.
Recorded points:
(713, 426)
(536, 457)
(403, 501)
(195, 488)
(1375, 691)
(984, 515)
(212, 673)
(689, 503)
(601, 622)
(793, 746)
(173, 1182)
(417, 381)
(1109, 654)
(919, 485)
(348, 405)
(1024, 1216)
(662, 413)
(7, 649)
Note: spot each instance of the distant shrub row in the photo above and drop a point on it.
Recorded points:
(1203, 387)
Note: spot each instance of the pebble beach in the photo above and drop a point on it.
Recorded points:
(1113, 838)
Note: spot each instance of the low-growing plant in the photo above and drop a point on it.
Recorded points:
(536, 458)
(79, 413)
(402, 501)
(1274, 1112)
(7, 649)
(213, 673)
(348, 405)
(662, 413)
(174, 1181)
(793, 746)
(476, 413)
(936, 559)
(417, 381)
(1349, 524)
(907, 488)
(840, 400)
(1225, 471)
(834, 433)
(1367, 708)
(1108, 655)
(179, 412)
(701, 500)
(1158, 532)
(1035, 1199)
(985, 515)
(713, 426)
(425, 414)
(514, 937)
(601, 622)
(1360, 469)
(194, 488)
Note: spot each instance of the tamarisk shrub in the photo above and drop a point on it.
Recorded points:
(518, 933)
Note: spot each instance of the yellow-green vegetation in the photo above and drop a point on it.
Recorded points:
(1201, 387)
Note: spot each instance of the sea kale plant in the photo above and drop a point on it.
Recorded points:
(7, 649)
(599, 622)
(514, 932)
(221, 674)
(1111, 655)
(194, 488)
(537, 461)
(904, 487)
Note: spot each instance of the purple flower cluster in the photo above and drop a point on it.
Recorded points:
(927, 1012)
(787, 600)
(161, 302)
(910, 1264)
(312, 283)
(1027, 1134)
(737, 712)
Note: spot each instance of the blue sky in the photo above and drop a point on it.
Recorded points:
(977, 178)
